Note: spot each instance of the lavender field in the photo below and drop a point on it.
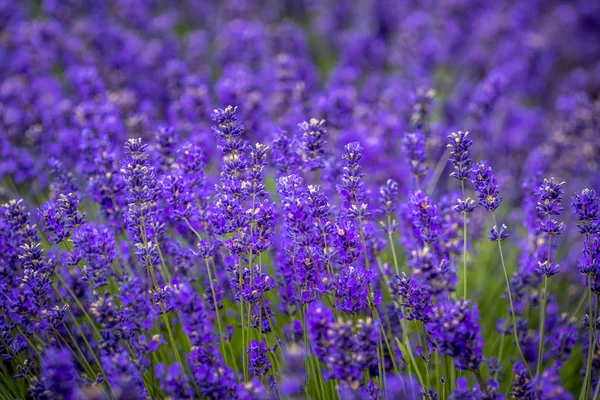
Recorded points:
(300, 199)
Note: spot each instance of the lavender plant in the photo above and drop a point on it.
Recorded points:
(249, 199)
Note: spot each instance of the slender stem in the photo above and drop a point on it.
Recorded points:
(214, 297)
(587, 379)
(481, 381)
(162, 260)
(364, 245)
(500, 355)
(512, 308)
(596, 391)
(543, 315)
(439, 168)
(390, 238)
(462, 188)
(86, 315)
(542, 329)
(581, 303)
(240, 283)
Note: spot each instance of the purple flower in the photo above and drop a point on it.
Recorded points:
(460, 157)
(124, 375)
(550, 196)
(254, 285)
(413, 145)
(98, 249)
(522, 388)
(228, 130)
(352, 188)
(586, 208)
(464, 206)
(314, 142)
(589, 262)
(547, 268)
(193, 315)
(214, 379)
(174, 381)
(352, 292)
(498, 235)
(178, 196)
(57, 378)
(486, 186)
(61, 216)
(416, 301)
(487, 94)
(64, 180)
(425, 221)
(456, 329)
(388, 197)
(259, 362)
(285, 157)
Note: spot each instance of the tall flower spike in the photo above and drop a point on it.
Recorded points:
(586, 208)
(228, 130)
(486, 186)
(457, 332)
(352, 188)
(550, 195)
(413, 145)
(426, 224)
(314, 141)
(460, 157)
(388, 197)
(259, 362)
(58, 378)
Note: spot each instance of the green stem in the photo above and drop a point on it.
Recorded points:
(542, 329)
(543, 316)
(364, 245)
(481, 381)
(596, 391)
(390, 238)
(512, 308)
(462, 188)
(587, 379)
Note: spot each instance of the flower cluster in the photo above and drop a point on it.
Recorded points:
(270, 200)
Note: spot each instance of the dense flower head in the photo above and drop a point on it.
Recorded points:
(64, 180)
(173, 381)
(284, 155)
(498, 235)
(58, 376)
(352, 292)
(413, 145)
(98, 249)
(352, 187)
(388, 197)
(314, 143)
(138, 174)
(252, 199)
(589, 262)
(523, 388)
(61, 217)
(424, 217)
(178, 196)
(486, 186)
(460, 156)
(416, 301)
(586, 208)
(456, 330)
(254, 285)
(227, 126)
(259, 362)
(550, 194)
